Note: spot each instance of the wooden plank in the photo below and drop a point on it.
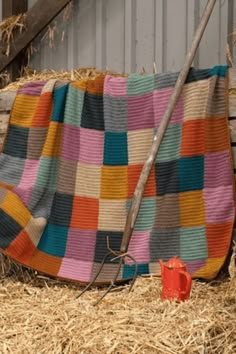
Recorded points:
(196, 19)
(160, 17)
(6, 100)
(56, 58)
(115, 33)
(14, 7)
(176, 34)
(145, 28)
(10, 8)
(130, 35)
(223, 35)
(31, 3)
(72, 44)
(100, 34)
(191, 11)
(38, 17)
(233, 21)
(230, 25)
(85, 36)
(210, 42)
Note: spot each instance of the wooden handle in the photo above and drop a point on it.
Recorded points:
(137, 198)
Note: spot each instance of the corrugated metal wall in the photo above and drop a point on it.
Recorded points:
(125, 35)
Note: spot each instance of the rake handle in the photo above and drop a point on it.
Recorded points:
(157, 139)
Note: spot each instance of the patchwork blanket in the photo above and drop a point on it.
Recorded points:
(71, 161)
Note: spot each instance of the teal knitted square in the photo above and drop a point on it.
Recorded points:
(129, 270)
(115, 149)
(191, 173)
(59, 100)
(49, 240)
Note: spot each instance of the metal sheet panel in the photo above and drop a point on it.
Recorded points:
(127, 35)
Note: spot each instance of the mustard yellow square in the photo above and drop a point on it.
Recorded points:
(139, 144)
(23, 110)
(112, 215)
(13, 206)
(81, 84)
(53, 141)
(211, 268)
(195, 97)
(87, 183)
(114, 183)
(192, 211)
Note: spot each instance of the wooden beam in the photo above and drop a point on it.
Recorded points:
(10, 8)
(37, 18)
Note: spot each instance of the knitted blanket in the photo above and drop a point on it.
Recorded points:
(71, 161)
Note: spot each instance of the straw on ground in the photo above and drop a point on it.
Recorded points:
(39, 315)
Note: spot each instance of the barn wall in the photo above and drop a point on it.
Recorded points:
(125, 35)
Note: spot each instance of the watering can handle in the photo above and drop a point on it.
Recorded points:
(188, 279)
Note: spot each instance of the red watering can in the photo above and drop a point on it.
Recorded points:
(176, 281)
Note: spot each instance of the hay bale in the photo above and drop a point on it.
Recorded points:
(6, 102)
(73, 75)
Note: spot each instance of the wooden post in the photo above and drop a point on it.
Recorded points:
(10, 8)
(158, 136)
